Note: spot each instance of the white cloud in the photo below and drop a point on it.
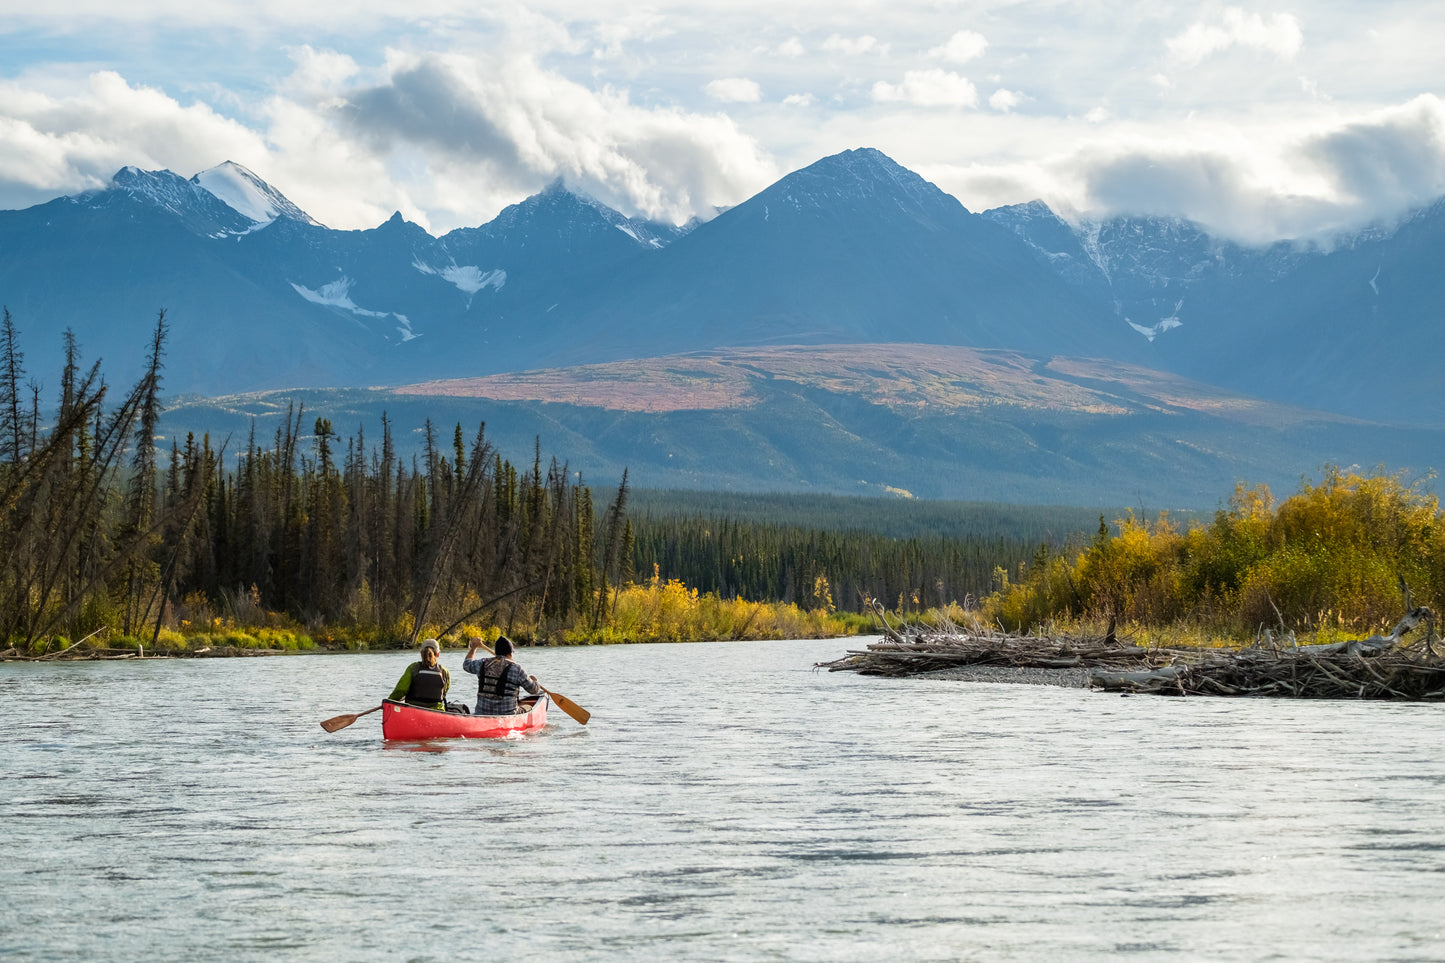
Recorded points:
(734, 90)
(1220, 108)
(929, 88)
(853, 46)
(319, 73)
(78, 141)
(1279, 35)
(1004, 100)
(1253, 184)
(445, 140)
(507, 126)
(963, 46)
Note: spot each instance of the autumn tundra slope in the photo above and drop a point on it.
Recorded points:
(924, 420)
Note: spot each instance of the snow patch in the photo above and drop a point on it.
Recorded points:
(467, 278)
(238, 192)
(337, 294)
(1163, 324)
(248, 195)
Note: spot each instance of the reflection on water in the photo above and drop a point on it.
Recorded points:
(726, 802)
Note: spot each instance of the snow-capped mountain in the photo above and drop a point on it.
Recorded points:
(194, 207)
(853, 249)
(1309, 323)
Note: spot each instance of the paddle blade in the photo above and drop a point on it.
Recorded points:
(569, 707)
(340, 722)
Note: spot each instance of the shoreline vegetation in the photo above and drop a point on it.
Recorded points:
(110, 547)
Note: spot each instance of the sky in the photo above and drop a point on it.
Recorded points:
(1259, 122)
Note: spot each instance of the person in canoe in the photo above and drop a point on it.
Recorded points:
(425, 683)
(498, 679)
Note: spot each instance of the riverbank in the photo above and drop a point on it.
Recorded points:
(78, 654)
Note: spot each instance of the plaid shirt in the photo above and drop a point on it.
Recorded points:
(516, 677)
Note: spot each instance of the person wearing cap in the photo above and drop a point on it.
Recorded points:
(498, 679)
(424, 683)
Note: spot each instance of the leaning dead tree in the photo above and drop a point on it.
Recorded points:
(1377, 667)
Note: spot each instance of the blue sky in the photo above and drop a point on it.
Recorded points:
(1261, 122)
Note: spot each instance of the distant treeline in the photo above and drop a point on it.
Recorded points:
(835, 550)
(829, 569)
(891, 517)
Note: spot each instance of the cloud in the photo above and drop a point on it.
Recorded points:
(963, 46)
(792, 47)
(504, 125)
(1307, 185)
(798, 100)
(1280, 35)
(447, 140)
(929, 88)
(853, 46)
(734, 90)
(1390, 160)
(76, 142)
(1004, 100)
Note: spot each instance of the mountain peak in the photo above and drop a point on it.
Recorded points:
(248, 195)
(558, 208)
(198, 209)
(868, 168)
(845, 181)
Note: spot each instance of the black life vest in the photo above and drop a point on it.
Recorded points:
(427, 684)
(499, 689)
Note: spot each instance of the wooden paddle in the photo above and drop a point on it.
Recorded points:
(341, 722)
(569, 707)
(561, 701)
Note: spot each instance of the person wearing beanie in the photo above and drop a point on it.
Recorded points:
(498, 679)
(425, 683)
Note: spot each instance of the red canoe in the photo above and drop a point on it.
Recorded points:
(404, 722)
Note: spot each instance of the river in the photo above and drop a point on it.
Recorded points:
(726, 802)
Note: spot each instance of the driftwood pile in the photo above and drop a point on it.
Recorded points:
(917, 650)
(1379, 667)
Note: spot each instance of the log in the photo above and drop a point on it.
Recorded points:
(1112, 680)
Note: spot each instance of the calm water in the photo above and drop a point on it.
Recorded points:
(726, 803)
